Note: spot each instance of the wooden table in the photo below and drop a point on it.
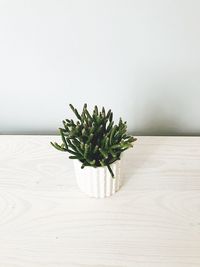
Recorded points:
(153, 221)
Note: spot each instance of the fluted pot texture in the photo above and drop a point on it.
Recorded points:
(98, 182)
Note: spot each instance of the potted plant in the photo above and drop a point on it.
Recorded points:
(95, 144)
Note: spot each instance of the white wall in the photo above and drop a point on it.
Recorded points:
(139, 57)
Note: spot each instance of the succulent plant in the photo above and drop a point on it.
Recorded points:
(94, 139)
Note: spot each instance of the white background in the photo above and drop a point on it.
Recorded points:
(140, 58)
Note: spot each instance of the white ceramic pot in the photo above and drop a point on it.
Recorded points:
(98, 182)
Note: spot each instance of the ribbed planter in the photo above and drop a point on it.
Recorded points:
(98, 182)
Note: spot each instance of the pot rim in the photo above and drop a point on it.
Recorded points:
(96, 167)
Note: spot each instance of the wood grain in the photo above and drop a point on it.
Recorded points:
(153, 221)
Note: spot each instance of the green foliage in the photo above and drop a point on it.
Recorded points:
(94, 139)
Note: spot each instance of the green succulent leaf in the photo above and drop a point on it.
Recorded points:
(94, 139)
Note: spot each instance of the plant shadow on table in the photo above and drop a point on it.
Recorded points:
(134, 159)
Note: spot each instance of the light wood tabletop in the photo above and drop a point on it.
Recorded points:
(153, 221)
